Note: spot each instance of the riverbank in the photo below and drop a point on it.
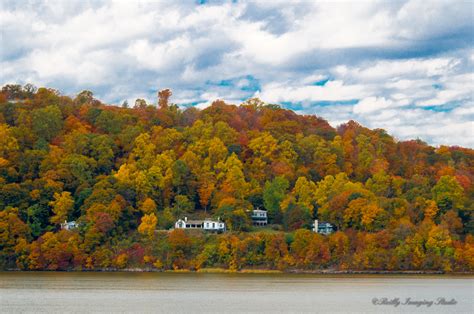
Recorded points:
(216, 270)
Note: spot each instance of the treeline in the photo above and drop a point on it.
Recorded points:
(122, 173)
(302, 250)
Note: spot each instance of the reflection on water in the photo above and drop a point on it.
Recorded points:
(54, 292)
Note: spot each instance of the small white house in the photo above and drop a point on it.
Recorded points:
(259, 217)
(188, 224)
(180, 224)
(213, 225)
(206, 224)
(69, 225)
(322, 227)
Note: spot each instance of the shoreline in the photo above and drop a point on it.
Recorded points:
(256, 271)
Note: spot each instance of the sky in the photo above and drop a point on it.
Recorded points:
(404, 66)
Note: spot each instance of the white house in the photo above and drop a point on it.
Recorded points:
(69, 225)
(259, 217)
(206, 224)
(322, 227)
(213, 225)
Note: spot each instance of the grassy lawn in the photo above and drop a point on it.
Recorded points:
(265, 229)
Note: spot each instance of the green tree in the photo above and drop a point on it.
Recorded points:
(77, 169)
(273, 193)
(47, 122)
(103, 151)
(448, 194)
(182, 205)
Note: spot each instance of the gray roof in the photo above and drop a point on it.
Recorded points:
(211, 220)
(194, 222)
(198, 222)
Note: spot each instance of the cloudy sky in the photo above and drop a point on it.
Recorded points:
(405, 66)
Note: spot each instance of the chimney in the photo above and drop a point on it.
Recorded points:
(315, 226)
(185, 219)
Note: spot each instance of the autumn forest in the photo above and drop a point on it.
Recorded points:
(126, 173)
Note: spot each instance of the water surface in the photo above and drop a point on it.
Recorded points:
(59, 292)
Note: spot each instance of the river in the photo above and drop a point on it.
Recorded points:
(61, 292)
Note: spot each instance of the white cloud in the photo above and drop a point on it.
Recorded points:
(393, 61)
(371, 104)
(390, 69)
(331, 91)
(456, 88)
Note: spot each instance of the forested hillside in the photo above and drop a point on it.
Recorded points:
(124, 173)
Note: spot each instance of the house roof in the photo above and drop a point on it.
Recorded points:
(69, 223)
(325, 223)
(198, 222)
(211, 220)
(194, 222)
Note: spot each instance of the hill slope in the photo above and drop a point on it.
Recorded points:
(123, 172)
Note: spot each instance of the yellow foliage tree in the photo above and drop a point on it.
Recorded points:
(148, 225)
(430, 210)
(264, 146)
(148, 206)
(8, 143)
(62, 205)
(369, 215)
(303, 194)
